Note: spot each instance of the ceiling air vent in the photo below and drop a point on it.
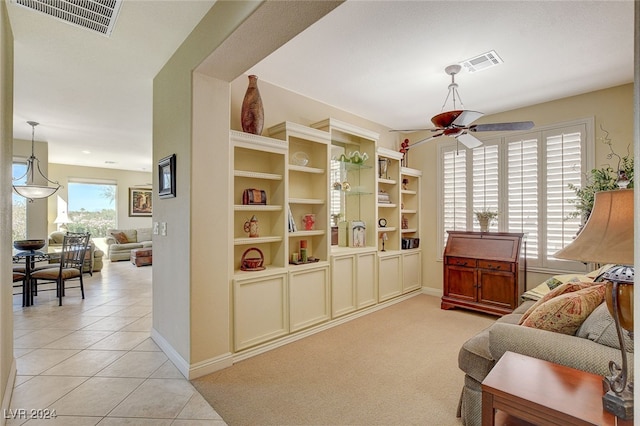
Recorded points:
(96, 15)
(482, 62)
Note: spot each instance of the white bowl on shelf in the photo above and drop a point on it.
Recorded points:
(300, 158)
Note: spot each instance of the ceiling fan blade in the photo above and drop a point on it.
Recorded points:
(421, 141)
(469, 141)
(466, 117)
(492, 127)
(414, 130)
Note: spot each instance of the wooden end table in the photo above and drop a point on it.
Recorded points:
(522, 390)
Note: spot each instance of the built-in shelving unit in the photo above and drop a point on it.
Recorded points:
(309, 176)
(259, 163)
(308, 189)
(353, 159)
(410, 207)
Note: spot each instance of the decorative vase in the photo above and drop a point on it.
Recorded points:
(252, 115)
(484, 224)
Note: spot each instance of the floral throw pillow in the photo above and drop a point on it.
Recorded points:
(120, 237)
(565, 313)
(557, 291)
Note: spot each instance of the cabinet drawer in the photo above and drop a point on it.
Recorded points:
(495, 265)
(461, 261)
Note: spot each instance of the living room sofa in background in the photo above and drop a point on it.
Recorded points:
(590, 349)
(94, 261)
(122, 241)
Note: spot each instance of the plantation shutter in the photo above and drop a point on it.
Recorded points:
(564, 156)
(485, 181)
(454, 187)
(522, 190)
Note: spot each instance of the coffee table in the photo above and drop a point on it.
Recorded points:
(521, 389)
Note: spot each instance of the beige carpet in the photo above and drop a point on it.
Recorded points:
(396, 366)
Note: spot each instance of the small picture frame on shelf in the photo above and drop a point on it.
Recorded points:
(167, 177)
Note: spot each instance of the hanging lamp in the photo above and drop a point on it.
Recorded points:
(31, 190)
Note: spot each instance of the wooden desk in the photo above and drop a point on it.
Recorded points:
(542, 393)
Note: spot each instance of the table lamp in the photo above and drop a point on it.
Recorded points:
(61, 220)
(607, 237)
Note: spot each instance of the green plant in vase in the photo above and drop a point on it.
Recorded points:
(485, 218)
(603, 179)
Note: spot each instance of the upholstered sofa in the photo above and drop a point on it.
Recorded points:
(590, 348)
(122, 241)
(94, 262)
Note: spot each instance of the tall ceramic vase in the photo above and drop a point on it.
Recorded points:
(252, 112)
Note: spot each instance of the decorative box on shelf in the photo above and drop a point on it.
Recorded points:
(352, 233)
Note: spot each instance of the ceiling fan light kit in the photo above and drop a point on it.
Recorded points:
(457, 123)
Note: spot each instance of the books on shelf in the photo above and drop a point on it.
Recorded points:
(292, 223)
(383, 197)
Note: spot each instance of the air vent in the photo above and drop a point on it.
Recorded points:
(482, 62)
(95, 15)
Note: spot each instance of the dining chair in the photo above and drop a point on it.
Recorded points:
(20, 277)
(74, 247)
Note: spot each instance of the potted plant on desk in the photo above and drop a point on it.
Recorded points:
(485, 218)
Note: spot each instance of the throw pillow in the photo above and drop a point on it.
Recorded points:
(565, 313)
(120, 237)
(601, 328)
(559, 290)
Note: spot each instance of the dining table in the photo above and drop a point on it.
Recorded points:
(29, 258)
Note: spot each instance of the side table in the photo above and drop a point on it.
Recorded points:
(542, 393)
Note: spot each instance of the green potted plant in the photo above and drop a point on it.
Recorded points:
(603, 179)
(485, 218)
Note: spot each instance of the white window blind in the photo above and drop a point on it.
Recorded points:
(485, 181)
(563, 167)
(454, 190)
(522, 189)
(525, 177)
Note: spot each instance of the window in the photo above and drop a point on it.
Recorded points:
(525, 177)
(19, 229)
(92, 207)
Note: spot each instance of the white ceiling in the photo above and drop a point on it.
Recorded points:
(382, 60)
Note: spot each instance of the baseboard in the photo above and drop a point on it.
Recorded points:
(210, 365)
(430, 291)
(191, 371)
(8, 392)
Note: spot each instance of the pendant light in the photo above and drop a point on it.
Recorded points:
(31, 190)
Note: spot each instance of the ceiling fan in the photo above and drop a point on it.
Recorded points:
(458, 122)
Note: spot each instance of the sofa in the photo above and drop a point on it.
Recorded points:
(94, 259)
(122, 241)
(590, 348)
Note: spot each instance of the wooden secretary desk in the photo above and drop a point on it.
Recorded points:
(484, 271)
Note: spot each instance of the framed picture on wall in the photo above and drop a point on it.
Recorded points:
(140, 202)
(167, 177)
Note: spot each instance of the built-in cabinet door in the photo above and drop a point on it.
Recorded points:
(260, 309)
(308, 297)
(389, 276)
(343, 279)
(411, 270)
(366, 293)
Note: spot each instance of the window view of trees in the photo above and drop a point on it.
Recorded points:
(91, 208)
(19, 230)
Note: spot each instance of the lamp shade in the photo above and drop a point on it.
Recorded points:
(62, 218)
(35, 191)
(607, 237)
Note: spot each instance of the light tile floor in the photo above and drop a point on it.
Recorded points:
(92, 361)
